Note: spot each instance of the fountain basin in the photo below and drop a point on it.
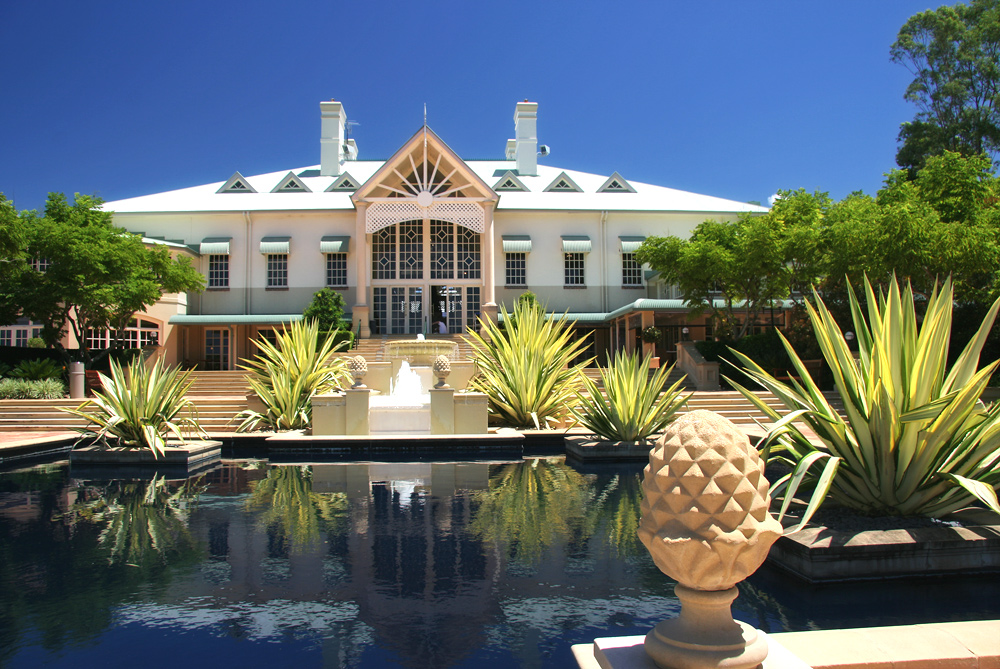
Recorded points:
(420, 352)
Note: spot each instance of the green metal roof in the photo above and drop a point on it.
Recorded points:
(631, 244)
(576, 244)
(215, 246)
(233, 319)
(274, 245)
(334, 244)
(516, 244)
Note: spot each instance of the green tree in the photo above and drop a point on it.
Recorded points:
(11, 259)
(327, 309)
(953, 53)
(725, 268)
(97, 275)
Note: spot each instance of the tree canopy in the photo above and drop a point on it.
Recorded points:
(327, 309)
(953, 53)
(85, 273)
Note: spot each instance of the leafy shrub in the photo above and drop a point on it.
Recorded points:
(287, 376)
(524, 366)
(327, 308)
(36, 370)
(139, 407)
(4, 369)
(27, 389)
(916, 439)
(36, 342)
(632, 407)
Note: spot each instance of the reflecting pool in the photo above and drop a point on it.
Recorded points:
(363, 565)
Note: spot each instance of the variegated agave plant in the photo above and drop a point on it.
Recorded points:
(634, 405)
(915, 438)
(139, 407)
(286, 376)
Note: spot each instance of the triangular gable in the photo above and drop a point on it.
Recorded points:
(424, 163)
(236, 184)
(509, 181)
(345, 183)
(291, 184)
(616, 184)
(563, 184)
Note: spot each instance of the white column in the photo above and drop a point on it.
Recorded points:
(362, 261)
(488, 311)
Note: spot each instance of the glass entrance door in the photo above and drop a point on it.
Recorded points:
(398, 310)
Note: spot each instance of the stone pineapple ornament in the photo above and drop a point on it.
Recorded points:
(705, 514)
(358, 367)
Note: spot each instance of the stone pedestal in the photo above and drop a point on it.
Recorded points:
(442, 410)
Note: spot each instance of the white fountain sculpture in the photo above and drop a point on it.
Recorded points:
(407, 407)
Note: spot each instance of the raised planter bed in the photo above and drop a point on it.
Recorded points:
(189, 457)
(819, 554)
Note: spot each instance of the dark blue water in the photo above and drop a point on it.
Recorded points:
(368, 565)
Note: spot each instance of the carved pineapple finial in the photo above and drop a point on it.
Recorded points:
(705, 513)
(705, 521)
(358, 367)
(442, 368)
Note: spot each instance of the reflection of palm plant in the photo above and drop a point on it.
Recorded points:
(286, 376)
(148, 519)
(617, 510)
(139, 406)
(633, 408)
(530, 505)
(524, 366)
(289, 503)
(916, 440)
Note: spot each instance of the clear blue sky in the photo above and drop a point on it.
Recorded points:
(723, 97)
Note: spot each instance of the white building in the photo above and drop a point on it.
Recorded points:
(407, 240)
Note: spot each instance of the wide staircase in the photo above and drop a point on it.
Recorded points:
(220, 395)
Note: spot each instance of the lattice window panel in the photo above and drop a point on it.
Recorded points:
(384, 254)
(336, 269)
(469, 255)
(517, 274)
(631, 270)
(411, 250)
(442, 249)
(469, 215)
(573, 269)
(218, 271)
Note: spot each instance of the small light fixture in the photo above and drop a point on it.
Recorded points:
(684, 333)
(849, 336)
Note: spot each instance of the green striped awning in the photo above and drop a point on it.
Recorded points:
(215, 246)
(576, 244)
(274, 245)
(334, 244)
(516, 244)
(631, 244)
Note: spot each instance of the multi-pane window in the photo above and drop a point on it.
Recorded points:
(472, 308)
(411, 250)
(516, 269)
(631, 270)
(573, 269)
(218, 271)
(442, 249)
(5, 337)
(455, 252)
(217, 349)
(20, 337)
(40, 264)
(277, 270)
(138, 333)
(336, 269)
(384, 253)
(468, 254)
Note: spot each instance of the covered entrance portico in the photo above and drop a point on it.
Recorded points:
(425, 227)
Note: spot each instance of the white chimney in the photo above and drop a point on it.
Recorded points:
(333, 122)
(526, 138)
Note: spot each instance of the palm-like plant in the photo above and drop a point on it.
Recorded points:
(290, 506)
(915, 439)
(286, 376)
(525, 366)
(140, 407)
(632, 407)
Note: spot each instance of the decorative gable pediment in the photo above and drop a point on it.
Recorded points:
(291, 184)
(616, 184)
(563, 184)
(236, 184)
(509, 182)
(425, 169)
(344, 183)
